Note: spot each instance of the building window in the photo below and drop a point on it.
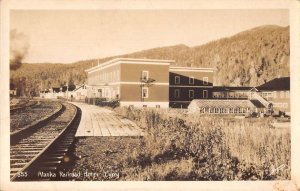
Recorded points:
(191, 80)
(106, 92)
(282, 94)
(205, 94)
(177, 79)
(145, 75)
(284, 105)
(118, 75)
(287, 94)
(205, 80)
(145, 92)
(100, 92)
(191, 93)
(144, 105)
(157, 106)
(269, 95)
(177, 93)
(215, 94)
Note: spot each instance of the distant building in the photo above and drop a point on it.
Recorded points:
(13, 92)
(12, 89)
(56, 92)
(148, 83)
(78, 94)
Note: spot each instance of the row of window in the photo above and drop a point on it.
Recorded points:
(223, 110)
(279, 94)
(191, 80)
(191, 93)
(230, 95)
(280, 105)
(106, 93)
(104, 76)
(132, 106)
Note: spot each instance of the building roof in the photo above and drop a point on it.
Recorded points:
(126, 60)
(234, 88)
(221, 103)
(178, 68)
(79, 87)
(282, 83)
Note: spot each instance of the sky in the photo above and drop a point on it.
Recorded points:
(65, 36)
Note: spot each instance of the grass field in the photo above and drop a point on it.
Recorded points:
(181, 146)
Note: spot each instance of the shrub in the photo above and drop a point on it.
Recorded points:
(217, 148)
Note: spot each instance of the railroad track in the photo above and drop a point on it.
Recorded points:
(44, 151)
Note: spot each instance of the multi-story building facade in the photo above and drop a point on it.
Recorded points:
(188, 83)
(149, 83)
(134, 82)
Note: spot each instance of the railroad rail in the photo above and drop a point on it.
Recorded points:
(42, 150)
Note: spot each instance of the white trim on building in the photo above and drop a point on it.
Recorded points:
(191, 86)
(130, 83)
(191, 69)
(177, 79)
(128, 61)
(205, 80)
(141, 104)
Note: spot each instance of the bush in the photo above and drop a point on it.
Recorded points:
(103, 103)
(217, 148)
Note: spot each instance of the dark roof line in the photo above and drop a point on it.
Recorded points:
(282, 83)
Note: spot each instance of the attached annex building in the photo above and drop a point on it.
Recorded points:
(272, 97)
(148, 83)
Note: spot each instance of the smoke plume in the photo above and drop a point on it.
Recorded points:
(18, 48)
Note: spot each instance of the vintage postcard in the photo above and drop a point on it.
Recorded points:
(129, 95)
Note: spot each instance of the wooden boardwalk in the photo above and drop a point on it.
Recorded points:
(98, 121)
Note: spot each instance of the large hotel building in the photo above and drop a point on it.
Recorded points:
(149, 83)
(157, 83)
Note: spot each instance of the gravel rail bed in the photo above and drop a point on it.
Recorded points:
(22, 105)
(101, 158)
(20, 118)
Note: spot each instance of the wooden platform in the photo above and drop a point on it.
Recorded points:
(98, 121)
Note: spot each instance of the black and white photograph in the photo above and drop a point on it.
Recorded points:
(144, 95)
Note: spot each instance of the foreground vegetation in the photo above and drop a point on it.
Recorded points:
(179, 146)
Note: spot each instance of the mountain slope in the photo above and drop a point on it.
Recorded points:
(248, 58)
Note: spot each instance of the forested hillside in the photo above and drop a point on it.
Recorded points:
(246, 59)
